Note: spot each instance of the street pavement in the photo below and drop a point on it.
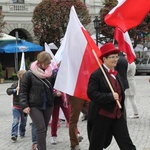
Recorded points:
(139, 128)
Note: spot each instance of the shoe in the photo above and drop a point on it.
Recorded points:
(22, 136)
(54, 140)
(80, 138)
(62, 120)
(76, 148)
(14, 138)
(134, 116)
(34, 146)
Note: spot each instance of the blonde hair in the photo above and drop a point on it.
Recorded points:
(20, 73)
(44, 57)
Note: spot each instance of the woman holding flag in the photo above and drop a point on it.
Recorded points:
(106, 109)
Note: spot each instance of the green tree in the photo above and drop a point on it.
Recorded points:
(139, 34)
(2, 23)
(106, 30)
(50, 19)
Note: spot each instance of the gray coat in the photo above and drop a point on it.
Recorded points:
(130, 76)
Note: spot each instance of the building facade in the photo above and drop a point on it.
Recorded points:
(18, 15)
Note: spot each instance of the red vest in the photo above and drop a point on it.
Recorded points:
(116, 113)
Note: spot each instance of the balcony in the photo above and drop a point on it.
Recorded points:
(19, 8)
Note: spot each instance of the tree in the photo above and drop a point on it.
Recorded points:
(106, 30)
(2, 23)
(139, 34)
(50, 19)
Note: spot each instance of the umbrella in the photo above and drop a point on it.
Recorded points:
(19, 46)
(6, 37)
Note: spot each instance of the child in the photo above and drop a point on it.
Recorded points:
(60, 101)
(18, 115)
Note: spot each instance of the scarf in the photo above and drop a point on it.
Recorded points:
(39, 72)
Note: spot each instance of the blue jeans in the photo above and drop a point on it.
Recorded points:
(33, 132)
(19, 122)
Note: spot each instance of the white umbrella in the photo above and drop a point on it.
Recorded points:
(6, 37)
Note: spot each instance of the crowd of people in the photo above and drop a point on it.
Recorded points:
(109, 88)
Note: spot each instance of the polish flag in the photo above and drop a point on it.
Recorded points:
(128, 14)
(78, 61)
(124, 44)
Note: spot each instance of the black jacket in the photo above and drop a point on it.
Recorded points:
(12, 90)
(99, 92)
(122, 67)
(101, 97)
(33, 91)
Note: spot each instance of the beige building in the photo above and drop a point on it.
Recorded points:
(18, 15)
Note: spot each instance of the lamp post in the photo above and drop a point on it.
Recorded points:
(16, 53)
(1, 8)
(0, 13)
(96, 26)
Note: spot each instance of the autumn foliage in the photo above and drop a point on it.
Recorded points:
(139, 34)
(50, 19)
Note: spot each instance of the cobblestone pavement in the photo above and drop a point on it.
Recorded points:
(139, 128)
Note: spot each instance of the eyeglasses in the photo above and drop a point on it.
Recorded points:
(113, 57)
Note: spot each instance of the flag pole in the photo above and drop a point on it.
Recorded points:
(112, 90)
(18, 86)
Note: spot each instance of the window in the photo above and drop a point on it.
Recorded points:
(144, 61)
(149, 61)
(18, 1)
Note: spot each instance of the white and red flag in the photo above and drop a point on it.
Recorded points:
(128, 14)
(125, 44)
(78, 61)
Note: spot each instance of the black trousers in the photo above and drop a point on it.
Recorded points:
(41, 119)
(103, 126)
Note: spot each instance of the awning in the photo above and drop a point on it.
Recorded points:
(20, 46)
